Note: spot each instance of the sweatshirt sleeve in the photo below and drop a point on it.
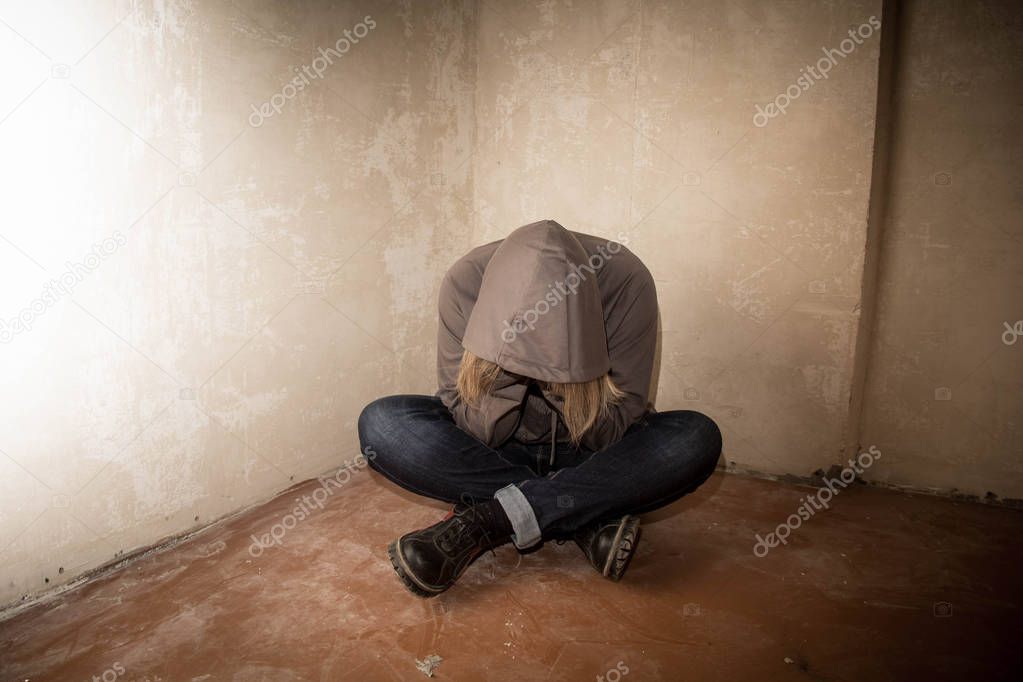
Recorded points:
(631, 342)
(495, 419)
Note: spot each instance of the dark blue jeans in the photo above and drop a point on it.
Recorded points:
(416, 444)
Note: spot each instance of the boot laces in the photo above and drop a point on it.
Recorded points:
(466, 525)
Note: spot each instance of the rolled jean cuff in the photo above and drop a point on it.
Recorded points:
(526, 531)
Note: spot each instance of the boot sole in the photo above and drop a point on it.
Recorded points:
(623, 548)
(405, 574)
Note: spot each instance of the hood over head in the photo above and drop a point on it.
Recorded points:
(538, 312)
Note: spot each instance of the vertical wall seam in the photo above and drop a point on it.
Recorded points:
(877, 211)
(635, 115)
(477, 29)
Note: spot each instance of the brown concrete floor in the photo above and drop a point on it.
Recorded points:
(850, 598)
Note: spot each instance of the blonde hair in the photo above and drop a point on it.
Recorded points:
(583, 402)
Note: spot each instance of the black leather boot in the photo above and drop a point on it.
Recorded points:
(430, 560)
(609, 545)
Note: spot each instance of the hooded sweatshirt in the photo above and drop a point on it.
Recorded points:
(554, 306)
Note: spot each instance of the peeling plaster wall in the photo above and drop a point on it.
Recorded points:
(637, 118)
(944, 391)
(264, 281)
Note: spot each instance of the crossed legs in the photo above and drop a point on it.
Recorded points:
(415, 443)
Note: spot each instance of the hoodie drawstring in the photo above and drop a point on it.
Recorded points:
(554, 436)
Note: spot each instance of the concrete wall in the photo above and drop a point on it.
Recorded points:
(262, 279)
(944, 391)
(638, 117)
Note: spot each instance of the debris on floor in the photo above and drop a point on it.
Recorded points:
(429, 664)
